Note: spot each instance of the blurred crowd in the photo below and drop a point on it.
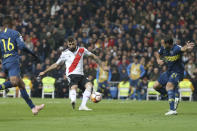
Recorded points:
(115, 30)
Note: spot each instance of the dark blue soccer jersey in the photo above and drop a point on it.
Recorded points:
(10, 41)
(173, 58)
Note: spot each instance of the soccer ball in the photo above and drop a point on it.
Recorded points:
(96, 97)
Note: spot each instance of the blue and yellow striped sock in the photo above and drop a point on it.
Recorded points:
(171, 97)
(6, 85)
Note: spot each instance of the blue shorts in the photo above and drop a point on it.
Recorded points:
(134, 82)
(172, 77)
(11, 69)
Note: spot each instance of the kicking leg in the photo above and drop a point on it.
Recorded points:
(86, 96)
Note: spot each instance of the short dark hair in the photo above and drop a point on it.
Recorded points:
(70, 39)
(7, 20)
(168, 40)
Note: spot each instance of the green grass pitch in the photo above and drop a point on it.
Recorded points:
(108, 115)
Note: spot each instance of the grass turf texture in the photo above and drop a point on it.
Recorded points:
(108, 115)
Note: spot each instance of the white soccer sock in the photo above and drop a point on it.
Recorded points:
(73, 95)
(86, 96)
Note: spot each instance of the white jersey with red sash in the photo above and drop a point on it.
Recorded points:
(73, 60)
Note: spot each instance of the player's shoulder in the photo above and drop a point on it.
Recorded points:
(65, 51)
(177, 46)
(12, 31)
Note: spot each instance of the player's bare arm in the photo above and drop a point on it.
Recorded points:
(53, 66)
(159, 61)
(98, 61)
(188, 46)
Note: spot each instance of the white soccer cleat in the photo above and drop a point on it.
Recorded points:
(171, 112)
(36, 109)
(84, 108)
(176, 103)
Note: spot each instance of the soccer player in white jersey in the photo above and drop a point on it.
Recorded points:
(73, 59)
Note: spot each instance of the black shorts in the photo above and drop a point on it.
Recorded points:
(79, 80)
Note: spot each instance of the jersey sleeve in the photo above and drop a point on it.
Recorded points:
(20, 41)
(86, 52)
(62, 59)
(161, 50)
(177, 49)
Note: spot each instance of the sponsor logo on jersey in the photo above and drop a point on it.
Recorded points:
(172, 58)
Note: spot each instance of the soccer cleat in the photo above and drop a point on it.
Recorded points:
(73, 104)
(171, 112)
(36, 109)
(176, 103)
(84, 108)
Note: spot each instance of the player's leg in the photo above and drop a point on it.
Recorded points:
(24, 94)
(177, 93)
(86, 95)
(177, 100)
(14, 75)
(106, 89)
(73, 84)
(73, 95)
(23, 91)
(13, 71)
(159, 84)
(6, 84)
(132, 92)
(171, 97)
(134, 84)
(170, 87)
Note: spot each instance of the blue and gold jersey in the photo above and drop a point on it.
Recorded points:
(173, 58)
(10, 41)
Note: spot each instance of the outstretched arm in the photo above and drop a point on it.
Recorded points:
(22, 46)
(98, 61)
(54, 66)
(60, 61)
(188, 46)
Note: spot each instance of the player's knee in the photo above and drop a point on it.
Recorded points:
(169, 86)
(89, 86)
(14, 82)
(21, 85)
(156, 85)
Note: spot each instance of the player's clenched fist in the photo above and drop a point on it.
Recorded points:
(41, 73)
